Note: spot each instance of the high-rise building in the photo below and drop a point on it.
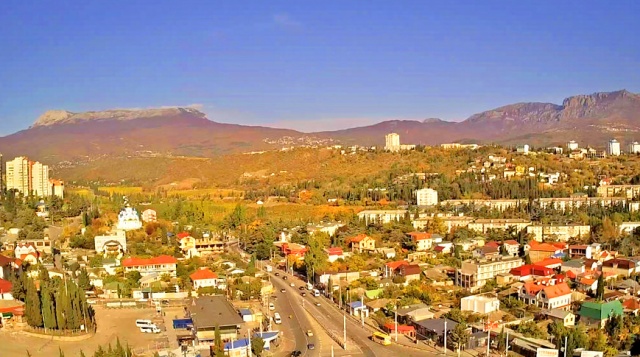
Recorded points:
(613, 148)
(634, 148)
(392, 142)
(40, 185)
(28, 177)
(18, 175)
(426, 197)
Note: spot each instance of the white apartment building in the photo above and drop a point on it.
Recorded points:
(40, 185)
(563, 233)
(522, 149)
(572, 145)
(634, 148)
(474, 274)
(480, 304)
(392, 142)
(613, 148)
(31, 178)
(382, 216)
(426, 197)
(18, 176)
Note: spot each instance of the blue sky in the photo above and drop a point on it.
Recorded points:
(310, 65)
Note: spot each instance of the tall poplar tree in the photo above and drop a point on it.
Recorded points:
(33, 311)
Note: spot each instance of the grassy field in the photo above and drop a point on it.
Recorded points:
(120, 190)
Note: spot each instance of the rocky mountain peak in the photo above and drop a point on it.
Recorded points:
(54, 117)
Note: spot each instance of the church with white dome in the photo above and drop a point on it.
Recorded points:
(128, 219)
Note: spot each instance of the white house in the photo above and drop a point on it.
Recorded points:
(426, 197)
(480, 304)
(547, 297)
(203, 278)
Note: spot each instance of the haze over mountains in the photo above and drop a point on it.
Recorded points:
(61, 135)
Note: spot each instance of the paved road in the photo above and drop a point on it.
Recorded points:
(296, 327)
(332, 319)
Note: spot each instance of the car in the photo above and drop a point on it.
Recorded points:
(164, 302)
(317, 304)
(309, 333)
(296, 353)
(277, 274)
(301, 288)
(292, 284)
(303, 293)
(272, 307)
(311, 346)
(284, 277)
(283, 290)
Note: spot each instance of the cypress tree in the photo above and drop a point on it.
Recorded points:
(48, 307)
(60, 298)
(600, 288)
(33, 311)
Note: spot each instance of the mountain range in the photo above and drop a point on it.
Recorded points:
(62, 136)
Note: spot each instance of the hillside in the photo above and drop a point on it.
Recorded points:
(65, 136)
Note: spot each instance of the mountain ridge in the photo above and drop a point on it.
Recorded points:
(63, 135)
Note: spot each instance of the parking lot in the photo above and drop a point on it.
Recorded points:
(112, 324)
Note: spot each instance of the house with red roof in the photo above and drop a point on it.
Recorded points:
(530, 271)
(334, 253)
(511, 247)
(552, 263)
(410, 272)
(294, 249)
(362, 243)
(422, 240)
(547, 297)
(541, 251)
(203, 278)
(391, 328)
(27, 253)
(161, 265)
(5, 290)
(580, 250)
(392, 268)
(7, 265)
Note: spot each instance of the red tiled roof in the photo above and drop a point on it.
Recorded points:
(492, 244)
(571, 274)
(357, 238)
(554, 291)
(511, 242)
(543, 247)
(531, 269)
(390, 326)
(183, 235)
(5, 261)
(395, 265)
(24, 256)
(586, 281)
(531, 288)
(203, 274)
(630, 304)
(560, 245)
(134, 262)
(5, 286)
(549, 261)
(410, 270)
(420, 235)
(578, 246)
(335, 251)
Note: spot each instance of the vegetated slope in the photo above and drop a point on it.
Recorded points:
(62, 136)
(591, 119)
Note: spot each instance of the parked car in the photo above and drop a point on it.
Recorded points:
(301, 288)
(292, 284)
(309, 333)
(283, 290)
(277, 274)
(303, 293)
(272, 306)
(311, 346)
(284, 277)
(296, 353)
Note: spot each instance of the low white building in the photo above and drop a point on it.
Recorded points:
(480, 304)
(161, 265)
(382, 216)
(115, 243)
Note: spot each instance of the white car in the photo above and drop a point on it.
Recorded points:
(272, 307)
(150, 329)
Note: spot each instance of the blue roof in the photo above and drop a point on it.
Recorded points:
(356, 304)
(244, 312)
(267, 335)
(237, 344)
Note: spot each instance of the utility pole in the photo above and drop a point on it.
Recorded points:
(396, 322)
(506, 348)
(488, 337)
(445, 337)
(249, 342)
(344, 331)
(565, 346)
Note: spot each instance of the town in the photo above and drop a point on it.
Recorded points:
(515, 259)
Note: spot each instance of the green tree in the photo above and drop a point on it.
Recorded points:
(60, 353)
(32, 303)
(83, 280)
(257, 345)
(48, 306)
(459, 336)
(133, 278)
(315, 259)
(218, 346)
(600, 288)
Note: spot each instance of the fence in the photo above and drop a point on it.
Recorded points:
(52, 332)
